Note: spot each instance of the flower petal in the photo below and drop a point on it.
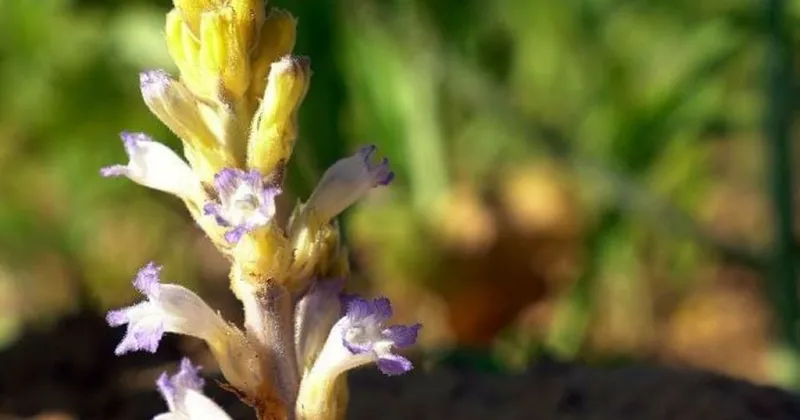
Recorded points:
(392, 364)
(154, 165)
(144, 330)
(183, 394)
(383, 308)
(402, 336)
(359, 308)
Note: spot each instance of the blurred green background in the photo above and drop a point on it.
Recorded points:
(600, 179)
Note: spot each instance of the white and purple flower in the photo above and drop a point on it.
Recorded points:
(245, 202)
(183, 393)
(168, 308)
(346, 181)
(154, 165)
(360, 337)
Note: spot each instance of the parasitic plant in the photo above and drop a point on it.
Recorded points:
(234, 106)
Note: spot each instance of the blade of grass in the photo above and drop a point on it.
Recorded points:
(778, 129)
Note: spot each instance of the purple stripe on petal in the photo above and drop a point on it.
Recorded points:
(356, 348)
(344, 301)
(358, 309)
(402, 335)
(379, 172)
(383, 308)
(392, 364)
(386, 178)
(225, 181)
(214, 209)
(235, 235)
(254, 179)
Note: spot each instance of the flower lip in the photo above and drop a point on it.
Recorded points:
(380, 171)
(366, 330)
(188, 377)
(153, 81)
(245, 203)
(183, 393)
(154, 165)
(168, 308)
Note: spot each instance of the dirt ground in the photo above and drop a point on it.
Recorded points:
(70, 372)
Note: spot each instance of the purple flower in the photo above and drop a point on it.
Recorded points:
(183, 393)
(154, 165)
(346, 181)
(245, 202)
(168, 308)
(361, 337)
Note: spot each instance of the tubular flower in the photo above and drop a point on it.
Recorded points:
(346, 181)
(176, 309)
(154, 165)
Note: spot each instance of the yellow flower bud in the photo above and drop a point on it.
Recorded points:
(276, 40)
(184, 47)
(191, 10)
(177, 108)
(223, 58)
(249, 16)
(274, 128)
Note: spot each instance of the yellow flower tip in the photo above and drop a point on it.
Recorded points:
(276, 39)
(274, 128)
(250, 15)
(170, 101)
(191, 10)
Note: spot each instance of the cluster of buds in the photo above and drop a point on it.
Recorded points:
(234, 106)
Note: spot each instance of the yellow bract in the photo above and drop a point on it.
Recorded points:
(276, 40)
(265, 253)
(274, 128)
